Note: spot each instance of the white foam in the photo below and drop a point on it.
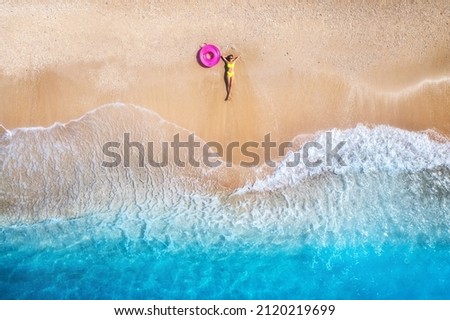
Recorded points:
(420, 85)
(395, 186)
(379, 149)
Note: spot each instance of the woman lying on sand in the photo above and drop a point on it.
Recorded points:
(229, 72)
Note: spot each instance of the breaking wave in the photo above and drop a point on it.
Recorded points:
(71, 228)
(394, 186)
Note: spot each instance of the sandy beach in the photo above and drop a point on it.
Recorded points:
(305, 66)
(113, 185)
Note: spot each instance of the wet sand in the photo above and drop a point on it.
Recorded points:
(304, 66)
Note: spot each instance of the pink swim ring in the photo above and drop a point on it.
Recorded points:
(208, 55)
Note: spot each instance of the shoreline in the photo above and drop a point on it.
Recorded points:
(304, 67)
(57, 96)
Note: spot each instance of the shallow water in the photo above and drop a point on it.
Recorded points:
(376, 228)
(118, 269)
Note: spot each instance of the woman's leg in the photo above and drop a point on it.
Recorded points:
(227, 80)
(230, 82)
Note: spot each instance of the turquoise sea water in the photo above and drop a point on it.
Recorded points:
(124, 269)
(375, 228)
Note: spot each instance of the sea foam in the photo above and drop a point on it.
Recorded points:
(394, 187)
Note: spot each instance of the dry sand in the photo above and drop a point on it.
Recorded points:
(305, 65)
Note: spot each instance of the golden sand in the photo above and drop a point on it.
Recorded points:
(305, 65)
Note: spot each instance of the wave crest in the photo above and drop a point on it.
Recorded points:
(395, 186)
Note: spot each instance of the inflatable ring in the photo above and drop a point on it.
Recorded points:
(208, 55)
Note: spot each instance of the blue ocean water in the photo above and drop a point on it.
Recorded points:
(123, 269)
(375, 228)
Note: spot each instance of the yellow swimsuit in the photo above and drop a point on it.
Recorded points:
(230, 69)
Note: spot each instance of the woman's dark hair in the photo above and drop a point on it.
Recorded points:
(229, 57)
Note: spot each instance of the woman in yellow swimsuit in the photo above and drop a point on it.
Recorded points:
(229, 72)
